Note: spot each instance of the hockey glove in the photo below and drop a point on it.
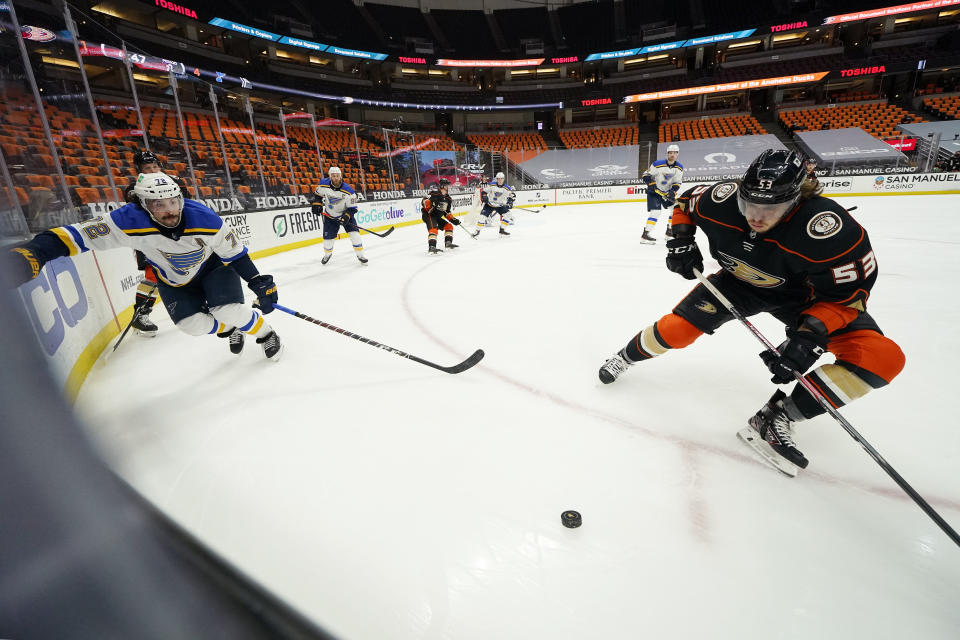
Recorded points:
(455, 221)
(798, 353)
(670, 199)
(265, 290)
(683, 256)
(651, 189)
(21, 264)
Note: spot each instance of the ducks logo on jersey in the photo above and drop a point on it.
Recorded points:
(748, 274)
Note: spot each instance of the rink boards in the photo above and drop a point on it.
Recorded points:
(78, 305)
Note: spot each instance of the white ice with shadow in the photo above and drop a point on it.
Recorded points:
(384, 499)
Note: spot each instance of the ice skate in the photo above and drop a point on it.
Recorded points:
(434, 251)
(612, 369)
(272, 348)
(235, 337)
(362, 259)
(668, 234)
(144, 327)
(646, 238)
(770, 434)
(504, 232)
(448, 244)
(325, 259)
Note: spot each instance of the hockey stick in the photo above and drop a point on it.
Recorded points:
(472, 235)
(528, 209)
(379, 235)
(476, 357)
(813, 391)
(137, 310)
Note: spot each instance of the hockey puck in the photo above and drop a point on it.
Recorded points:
(571, 519)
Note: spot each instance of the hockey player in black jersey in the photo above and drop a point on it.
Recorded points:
(436, 212)
(787, 251)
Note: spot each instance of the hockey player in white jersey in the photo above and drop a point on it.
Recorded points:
(497, 198)
(198, 261)
(336, 202)
(663, 179)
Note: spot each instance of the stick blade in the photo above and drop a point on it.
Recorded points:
(466, 364)
(387, 232)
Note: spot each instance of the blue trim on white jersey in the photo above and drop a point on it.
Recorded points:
(343, 186)
(76, 237)
(663, 163)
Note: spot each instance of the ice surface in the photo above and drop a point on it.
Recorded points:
(388, 500)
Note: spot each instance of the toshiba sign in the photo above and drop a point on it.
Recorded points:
(176, 8)
(862, 71)
(595, 101)
(410, 60)
(788, 26)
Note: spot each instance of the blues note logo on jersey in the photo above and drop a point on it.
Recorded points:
(183, 262)
(748, 274)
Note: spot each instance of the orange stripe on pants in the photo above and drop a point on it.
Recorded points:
(677, 332)
(869, 350)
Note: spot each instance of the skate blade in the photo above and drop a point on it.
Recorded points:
(753, 440)
(276, 357)
(648, 241)
(145, 334)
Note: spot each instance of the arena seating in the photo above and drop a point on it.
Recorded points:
(508, 141)
(592, 138)
(945, 107)
(877, 119)
(712, 127)
(25, 149)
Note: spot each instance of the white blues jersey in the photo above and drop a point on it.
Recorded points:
(176, 262)
(336, 200)
(498, 196)
(666, 177)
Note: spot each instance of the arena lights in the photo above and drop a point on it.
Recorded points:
(730, 86)
(244, 29)
(890, 11)
(356, 53)
(529, 62)
(295, 42)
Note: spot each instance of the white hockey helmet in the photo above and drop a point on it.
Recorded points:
(673, 147)
(161, 196)
(335, 173)
(500, 178)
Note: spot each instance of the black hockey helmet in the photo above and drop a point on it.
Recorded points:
(443, 182)
(145, 157)
(774, 177)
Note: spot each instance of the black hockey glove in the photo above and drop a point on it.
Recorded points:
(670, 199)
(651, 188)
(20, 264)
(798, 353)
(455, 221)
(683, 256)
(345, 216)
(265, 290)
